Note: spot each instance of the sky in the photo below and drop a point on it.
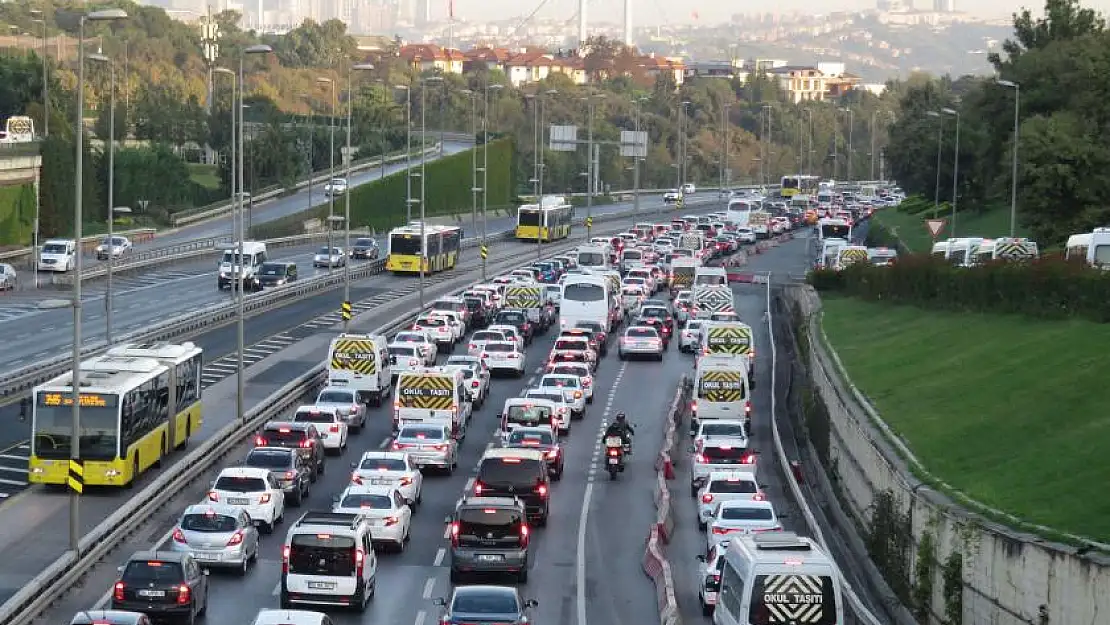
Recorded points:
(655, 12)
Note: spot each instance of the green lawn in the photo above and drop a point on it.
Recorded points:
(911, 229)
(204, 175)
(1012, 412)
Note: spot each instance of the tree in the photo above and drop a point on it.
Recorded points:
(56, 188)
(102, 127)
(154, 174)
(315, 45)
(1063, 20)
(166, 115)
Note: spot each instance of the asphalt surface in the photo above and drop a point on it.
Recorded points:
(35, 519)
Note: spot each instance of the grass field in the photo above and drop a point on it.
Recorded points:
(1010, 411)
(914, 234)
(204, 175)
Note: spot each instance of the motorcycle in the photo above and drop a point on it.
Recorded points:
(615, 450)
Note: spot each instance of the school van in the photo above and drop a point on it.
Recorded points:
(361, 362)
(328, 559)
(432, 394)
(721, 389)
(778, 578)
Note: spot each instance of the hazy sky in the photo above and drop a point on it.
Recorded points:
(652, 12)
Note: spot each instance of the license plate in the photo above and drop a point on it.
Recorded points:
(152, 593)
(614, 461)
(206, 556)
(489, 557)
(322, 585)
(381, 481)
(237, 501)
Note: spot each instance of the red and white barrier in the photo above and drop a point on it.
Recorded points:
(656, 567)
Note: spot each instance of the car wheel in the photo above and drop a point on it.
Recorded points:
(245, 567)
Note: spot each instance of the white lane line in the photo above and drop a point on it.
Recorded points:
(277, 590)
(14, 469)
(384, 443)
(420, 616)
(469, 487)
(440, 554)
(580, 564)
(13, 482)
(429, 586)
(11, 457)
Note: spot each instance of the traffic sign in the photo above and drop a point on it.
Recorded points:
(589, 222)
(345, 311)
(678, 204)
(76, 478)
(935, 226)
(485, 252)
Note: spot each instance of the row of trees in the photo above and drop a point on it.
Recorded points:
(1057, 61)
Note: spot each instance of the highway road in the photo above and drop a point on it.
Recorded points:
(27, 546)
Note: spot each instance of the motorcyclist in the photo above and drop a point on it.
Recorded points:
(622, 428)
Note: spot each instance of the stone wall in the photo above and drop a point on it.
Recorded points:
(1009, 577)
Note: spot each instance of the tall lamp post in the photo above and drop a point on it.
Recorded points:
(471, 95)
(851, 148)
(809, 151)
(358, 67)
(105, 15)
(240, 376)
(591, 162)
(940, 145)
(101, 58)
(485, 166)
(408, 151)
(40, 18)
(423, 178)
(542, 106)
(323, 80)
(955, 167)
(1014, 152)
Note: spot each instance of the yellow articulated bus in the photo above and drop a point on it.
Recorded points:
(798, 184)
(441, 246)
(137, 404)
(548, 221)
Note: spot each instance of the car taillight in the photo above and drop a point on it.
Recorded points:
(399, 446)
(235, 539)
(707, 498)
(360, 561)
(525, 532)
(748, 408)
(390, 521)
(701, 459)
(578, 394)
(178, 536)
(265, 498)
(259, 441)
(405, 481)
(474, 384)
(513, 356)
(440, 447)
(305, 444)
(183, 594)
(541, 490)
(117, 591)
(747, 459)
(334, 428)
(213, 496)
(759, 496)
(455, 534)
(587, 382)
(553, 453)
(721, 531)
(285, 559)
(478, 488)
(290, 475)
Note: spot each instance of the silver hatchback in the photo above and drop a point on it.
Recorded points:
(217, 536)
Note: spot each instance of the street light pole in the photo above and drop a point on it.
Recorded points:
(45, 96)
(636, 163)
(809, 154)
(1014, 152)
(78, 216)
(485, 167)
(408, 151)
(347, 195)
(940, 144)
(590, 163)
(851, 148)
(473, 160)
(323, 80)
(872, 145)
(423, 179)
(955, 167)
(100, 58)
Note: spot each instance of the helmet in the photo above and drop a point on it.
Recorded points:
(620, 417)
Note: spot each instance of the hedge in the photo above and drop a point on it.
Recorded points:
(1048, 288)
(381, 204)
(17, 214)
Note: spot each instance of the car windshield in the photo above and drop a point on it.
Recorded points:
(485, 603)
(572, 344)
(210, 522)
(324, 251)
(559, 381)
(322, 554)
(366, 500)
(489, 335)
(499, 347)
(654, 312)
(722, 429)
(365, 243)
(647, 333)
(530, 438)
(336, 397)
(272, 269)
(237, 484)
(314, 416)
(382, 464)
(269, 458)
(402, 351)
(54, 248)
(744, 513)
(529, 414)
(570, 370)
(421, 433)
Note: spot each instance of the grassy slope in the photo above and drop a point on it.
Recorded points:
(205, 175)
(1008, 410)
(912, 231)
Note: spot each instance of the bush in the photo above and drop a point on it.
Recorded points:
(1047, 288)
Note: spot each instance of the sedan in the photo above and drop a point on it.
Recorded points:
(562, 409)
(739, 517)
(485, 604)
(503, 356)
(543, 439)
(365, 248)
(404, 358)
(481, 337)
(217, 536)
(386, 509)
(422, 341)
(429, 445)
(390, 468)
(579, 370)
(476, 383)
(641, 341)
(346, 405)
(689, 338)
(328, 422)
(333, 258)
(114, 247)
(571, 388)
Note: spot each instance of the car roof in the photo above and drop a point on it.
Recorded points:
(278, 616)
(485, 589)
(363, 488)
(732, 475)
(157, 556)
(509, 343)
(529, 401)
(292, 425)
(215, 508)
(88, 617)
(512, 452)
(389, 455)
(244, 472)
(315, 409)
(747, 503)
(489, 502)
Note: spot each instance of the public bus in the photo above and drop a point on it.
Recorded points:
(441, 246)
(798, 184)
(134, 411)
(551, 220)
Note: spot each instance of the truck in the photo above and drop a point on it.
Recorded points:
(709, 299)
(682, 273)
(760, 223)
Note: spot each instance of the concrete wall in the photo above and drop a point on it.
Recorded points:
(1009, 577)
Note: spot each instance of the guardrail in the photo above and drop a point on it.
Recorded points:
(186, 217)
(88, 244)
(36, 596)
(26, 378)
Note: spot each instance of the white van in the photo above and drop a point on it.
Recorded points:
(705, 275)
(432, 394)
(361, 362)
(778, 577)
(58, 255)
(328, 559)
(593, 256)
(255, 254)
(721, 388)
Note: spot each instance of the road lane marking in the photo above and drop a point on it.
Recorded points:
(420, 616)
(440, 554)
(429, 586)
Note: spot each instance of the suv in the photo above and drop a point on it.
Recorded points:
(162, 584)
(489, 535)
(520, 473)
(288, 468)
(601, 337)
(328, 559)
(300, 436)
(518, 319)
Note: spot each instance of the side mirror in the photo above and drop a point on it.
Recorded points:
(207, 572)
(447, 519)
(354, 465)
(699, 558)
(440, 601)
(691, 449)
(531, 603)
(119, 569)
(335, 500)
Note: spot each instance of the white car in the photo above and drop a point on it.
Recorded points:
(479, 339)
(745, 234)
(719, 453)
(115, 247)
(423, 343)
(689, 337)
(253, 489)
(562, 409)
(429, 445)
(335, 186)
(437, 327)
(511, 333)
(739, 517)
(9, 279)
(389, 514)
(503, 356)
(732, 431)
(726, 486)
(688, 189)
(571, 388)
(670, 197)
(579, 369)
(273, 616)
(405, 357)
(663, 245)
(345, 401)
(336, 257)
(455, 320)
(477, 380)
(554, 294)
(329, 423)
(390, 468)
(709, 576)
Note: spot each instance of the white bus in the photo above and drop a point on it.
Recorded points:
(586, 298)
(778, 578)
(593, 256)
(739, 211)
(834, 228)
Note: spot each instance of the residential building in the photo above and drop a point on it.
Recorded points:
(800, 82)
(653, 66)
(426, 57)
